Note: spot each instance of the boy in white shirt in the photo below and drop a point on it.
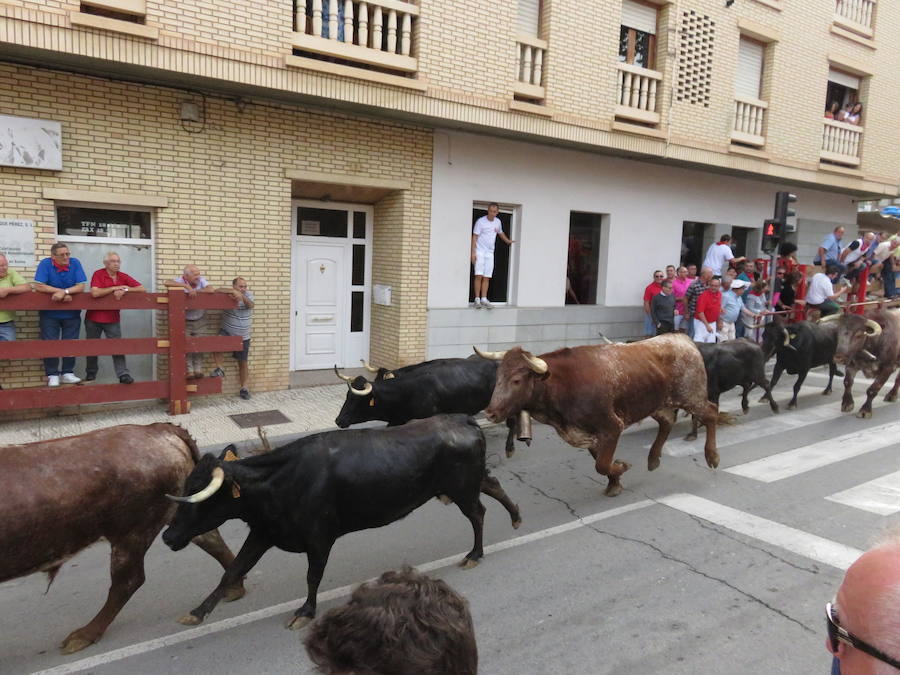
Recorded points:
(484, 235)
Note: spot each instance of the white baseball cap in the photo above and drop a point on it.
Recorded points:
(738, 283)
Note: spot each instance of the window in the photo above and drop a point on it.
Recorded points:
(583, 268)
(321, 222)
(842, 91)
(637, 38)
(749, 68)
(498, 289)
(74, 221)
(530, 17)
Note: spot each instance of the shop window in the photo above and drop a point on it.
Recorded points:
(75, 221)
(583, 267)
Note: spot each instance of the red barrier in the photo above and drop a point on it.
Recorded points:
(176, 388)
(862, 282)
(800, 307)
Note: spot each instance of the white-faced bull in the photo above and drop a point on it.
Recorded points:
(440, 386)
(303, 496)
(590, 394)
(871, 344)
(61, 496)
(798, 347)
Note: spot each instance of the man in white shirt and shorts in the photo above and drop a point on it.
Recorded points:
(484, 236)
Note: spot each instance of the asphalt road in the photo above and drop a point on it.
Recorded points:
(689, 570)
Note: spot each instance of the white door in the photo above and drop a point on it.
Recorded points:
(320, 271)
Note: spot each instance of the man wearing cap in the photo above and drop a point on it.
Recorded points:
(731, 306)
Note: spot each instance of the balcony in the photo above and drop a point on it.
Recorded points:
(532, 55)
(636, 94)
(749, 121)
(855, 16)
(840, 143)
(376, 33)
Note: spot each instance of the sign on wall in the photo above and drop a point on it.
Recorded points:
(17, 241)
(30, 143)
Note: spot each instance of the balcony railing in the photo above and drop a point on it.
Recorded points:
(855, 14)
(840, 142)
(636, 93)
(532, 55)
(749, 121)
(377, 32)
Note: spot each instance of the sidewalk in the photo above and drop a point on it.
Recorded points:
(308, 409)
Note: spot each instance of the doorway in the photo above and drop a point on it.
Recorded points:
(332, 273)
(498, 288)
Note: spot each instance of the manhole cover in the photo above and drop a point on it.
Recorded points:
(259, 419)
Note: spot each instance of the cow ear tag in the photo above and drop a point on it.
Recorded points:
(792, 335)
(230, 456)
(371, 402)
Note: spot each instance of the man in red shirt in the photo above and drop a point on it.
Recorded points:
(108, 281)
(652, 289)
(706, 316)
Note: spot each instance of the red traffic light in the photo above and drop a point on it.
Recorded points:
(770, 230)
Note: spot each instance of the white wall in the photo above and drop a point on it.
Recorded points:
(647, 204)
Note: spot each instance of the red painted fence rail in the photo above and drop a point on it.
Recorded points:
(177, 345)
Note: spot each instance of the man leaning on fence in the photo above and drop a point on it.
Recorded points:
(11, 283)
(195, 319)
(62, 276)
(237, 322)
(109, 280)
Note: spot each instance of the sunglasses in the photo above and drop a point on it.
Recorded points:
(837, 634)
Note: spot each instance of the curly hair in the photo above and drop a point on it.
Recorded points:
(404, 623)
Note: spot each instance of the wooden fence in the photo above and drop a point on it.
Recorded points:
(177, 345)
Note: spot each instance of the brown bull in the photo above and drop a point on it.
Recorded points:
(63, 495)
(871, 344)
(590, 394)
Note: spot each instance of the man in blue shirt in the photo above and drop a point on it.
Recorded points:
(61, 276)
(731, 306)
(829, 252)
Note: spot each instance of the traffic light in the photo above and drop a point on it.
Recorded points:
(771, 235)
(783, 211)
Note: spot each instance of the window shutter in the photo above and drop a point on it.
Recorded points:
(529, 17)
(842, 78)
(638, 16)
(749, 69)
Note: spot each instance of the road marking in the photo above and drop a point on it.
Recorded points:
(881, 496)
(286, 607)
(814, 456)
(788, 420)
(796, 541)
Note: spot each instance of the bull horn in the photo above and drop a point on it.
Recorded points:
(830, 317)
(368, 367)
(218, 477)
(389, 376)
(787, 339)
(365, 391)
(873, 329)
(869, 355)
(537, 365)
(493, 356)
(345, 378)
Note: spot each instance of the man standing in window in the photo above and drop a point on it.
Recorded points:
(484, 236)
(109, 280)
(720, 253)
(62, 276)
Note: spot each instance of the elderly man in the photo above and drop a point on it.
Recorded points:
(829, 252)
(61, 276)
(862, 618)
(109, 280)
(707, 312)
(652, 289)
(237, 322)
(195, 319)
(732, 304)
(887, 254)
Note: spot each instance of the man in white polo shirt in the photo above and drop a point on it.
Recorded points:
(821, 294)
(484, 236)
(720, 253)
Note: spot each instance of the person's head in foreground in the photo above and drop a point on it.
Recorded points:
(863, 620)
(403, 623)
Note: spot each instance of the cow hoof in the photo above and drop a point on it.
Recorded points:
(516, 524)
(827, 392)
(847, 407)
(298, 622)
(468, 563)
(510, 453)
(775, 409)
(445, 499)
(233, 593)
(713, 461)
(792, 405)
(890, 398)
(74, 643)
(691, 437)
(652, 463)
(613, 490)
(864, 414)
(190, 620)
(763, 399)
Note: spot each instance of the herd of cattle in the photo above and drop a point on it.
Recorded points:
(61, 496)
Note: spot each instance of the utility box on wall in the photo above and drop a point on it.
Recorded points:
(381, 295)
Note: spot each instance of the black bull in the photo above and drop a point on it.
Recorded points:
(441, 386)
(798, 347)
(305, 495)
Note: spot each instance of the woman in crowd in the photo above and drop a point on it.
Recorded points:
(788, 297)
(679, 287)
(754, 312)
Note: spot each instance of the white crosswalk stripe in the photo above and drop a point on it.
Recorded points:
(881, 496)
(814, 456)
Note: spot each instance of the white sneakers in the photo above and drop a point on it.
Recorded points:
(479, 303)
(67, 378)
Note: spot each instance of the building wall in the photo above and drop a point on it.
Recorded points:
(647, 205)
(229, 199)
